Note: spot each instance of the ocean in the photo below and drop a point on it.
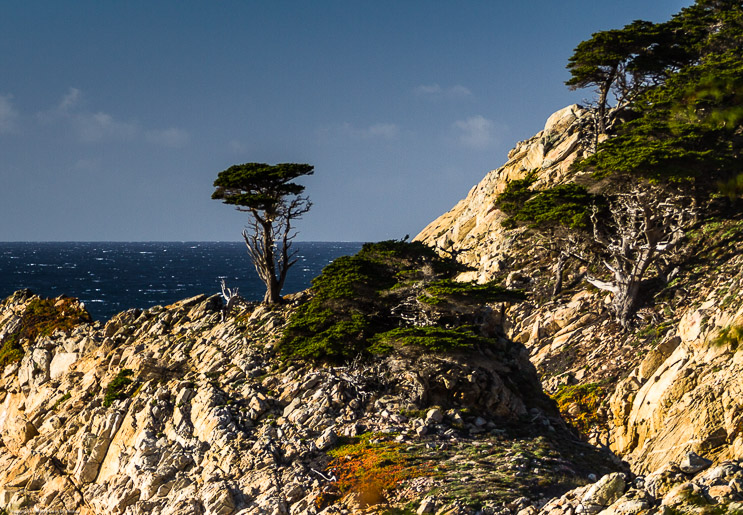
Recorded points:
(114, 276)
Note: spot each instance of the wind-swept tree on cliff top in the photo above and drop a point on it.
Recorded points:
(626, 61)
(273, 201)
(599, 61)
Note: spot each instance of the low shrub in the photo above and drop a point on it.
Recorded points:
(42, 317)
(366, 303)
(438, 339)
(324, 334)
(59, 401)
(117, 388)
(731, 336)
(472, 292)
(371, 467)
(586, 398)
(566, 205)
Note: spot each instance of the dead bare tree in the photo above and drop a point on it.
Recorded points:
(568, 246)
(645, 225)
(449, 250)
(230, 297)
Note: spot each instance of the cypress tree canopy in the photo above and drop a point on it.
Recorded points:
(259, 186)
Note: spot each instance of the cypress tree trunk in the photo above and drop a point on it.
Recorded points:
(273, 292)
(603, 95)
(625, 301)
(626, 298)
(559, 268)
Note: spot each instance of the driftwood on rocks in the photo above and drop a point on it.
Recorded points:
(230, 297)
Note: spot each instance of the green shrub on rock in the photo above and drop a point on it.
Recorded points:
(390, 293)
(434, 338)
(485, 292)
(563, 205)
(41, 317)
(730, 336)
(116, 389)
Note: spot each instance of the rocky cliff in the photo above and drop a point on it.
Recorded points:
(187, 409)
(472, 228)
(670, 386)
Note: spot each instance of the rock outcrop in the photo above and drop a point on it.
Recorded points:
(472, 228)
(181, 409)
(672, 386)
(671, 489)
(687, 393)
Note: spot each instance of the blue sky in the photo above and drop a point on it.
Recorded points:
(115, 117)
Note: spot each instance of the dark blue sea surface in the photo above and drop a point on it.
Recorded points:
(114, 276)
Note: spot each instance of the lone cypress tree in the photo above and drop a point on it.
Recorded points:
(273, 201)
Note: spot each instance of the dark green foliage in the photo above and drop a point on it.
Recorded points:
(344, 277)
(516, 194)
(568, 205)
(486, 292)
(599, 61)
(685, 133)
(686, 128)
(315, 332)
(564, 205)
(410, 257)
(258, 185)
(624, 59)
(356, 297)
(117, 388)
(433, 338)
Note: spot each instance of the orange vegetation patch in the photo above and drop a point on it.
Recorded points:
(579, 404)
(370, 467)
(42, 317)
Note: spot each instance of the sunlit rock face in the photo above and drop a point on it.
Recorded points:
(187, 409)
(473, 227)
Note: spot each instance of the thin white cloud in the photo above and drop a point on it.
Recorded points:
(70, 100)
(459, 91)
(173, 137)
(67, 109)
(378, 131)
(436, 92)
(8, 114)
(92, 127)
(381, 130)
(238, 147)
(428, 89)
(88, 164)
(475, 131)
(95, 126)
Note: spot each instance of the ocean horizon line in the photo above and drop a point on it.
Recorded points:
(172, 241)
